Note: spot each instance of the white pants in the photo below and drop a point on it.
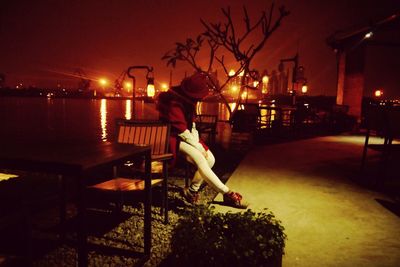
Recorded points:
(204, 171)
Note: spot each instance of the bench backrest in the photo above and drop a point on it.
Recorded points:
(143, 132)
(203, 118)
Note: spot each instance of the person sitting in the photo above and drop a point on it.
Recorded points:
(178, 107)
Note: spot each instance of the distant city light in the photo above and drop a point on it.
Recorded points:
(368, 35)
(234, 88)
(128, 86)
(304, 89)
(164, 87)
(255, 83)
(231, 72)
(378, 93)
(6, 176)
(103, 81)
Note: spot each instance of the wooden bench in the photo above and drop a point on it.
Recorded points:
(207, 124)
(142, 132)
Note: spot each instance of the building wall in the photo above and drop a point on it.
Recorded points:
(351, 80)
(341, 75)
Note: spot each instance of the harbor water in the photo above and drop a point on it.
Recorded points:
(36, 119)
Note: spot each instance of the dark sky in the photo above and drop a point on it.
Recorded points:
(44, 41)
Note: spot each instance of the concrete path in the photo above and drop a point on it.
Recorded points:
(309, 185)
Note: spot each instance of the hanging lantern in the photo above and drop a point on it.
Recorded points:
(151, 91)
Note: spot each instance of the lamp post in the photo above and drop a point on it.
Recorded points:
(295, 60)
(129, 72)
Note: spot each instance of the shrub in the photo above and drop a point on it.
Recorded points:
(206, 238)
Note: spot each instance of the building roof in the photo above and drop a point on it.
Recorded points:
(384, 32)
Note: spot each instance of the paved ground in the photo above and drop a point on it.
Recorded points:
(315, 188)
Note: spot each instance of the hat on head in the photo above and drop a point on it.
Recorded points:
(195, 86)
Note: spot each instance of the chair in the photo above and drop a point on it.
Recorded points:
(207, 124)
(246, 119)
(153, 133)
(385, 122)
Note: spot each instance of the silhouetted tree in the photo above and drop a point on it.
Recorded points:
(224, 40)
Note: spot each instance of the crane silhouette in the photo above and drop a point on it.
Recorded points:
(118, 83)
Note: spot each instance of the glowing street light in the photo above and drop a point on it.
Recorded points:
(304, 89)
(264, 80)
(128, 86)
(368, 35)
(231, 72)
(164, 87)
(378, 93)
(151, 91)
(103, 82)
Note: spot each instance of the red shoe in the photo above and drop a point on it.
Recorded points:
(190, 196)
(234, 199)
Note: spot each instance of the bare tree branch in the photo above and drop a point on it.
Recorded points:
(221, 61)
(223, 35)
(213, 49)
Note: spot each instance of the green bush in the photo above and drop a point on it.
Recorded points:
(206, 238)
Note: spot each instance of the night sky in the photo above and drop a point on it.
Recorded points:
(43, 42)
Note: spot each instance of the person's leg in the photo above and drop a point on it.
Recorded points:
(203, 166)
(198, 180)
(204, 172)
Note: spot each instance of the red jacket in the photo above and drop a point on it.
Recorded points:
(180, 112)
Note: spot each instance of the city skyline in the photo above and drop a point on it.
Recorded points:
(45, 42)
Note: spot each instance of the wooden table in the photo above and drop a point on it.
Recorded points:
(78, 161)
(384, 120)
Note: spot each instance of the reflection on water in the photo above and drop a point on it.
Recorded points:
(103, 119)
(80, 120)
(128, 109)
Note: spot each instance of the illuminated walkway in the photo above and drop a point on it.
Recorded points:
(310, 185)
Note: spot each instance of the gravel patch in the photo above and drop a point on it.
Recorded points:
(128, 234)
